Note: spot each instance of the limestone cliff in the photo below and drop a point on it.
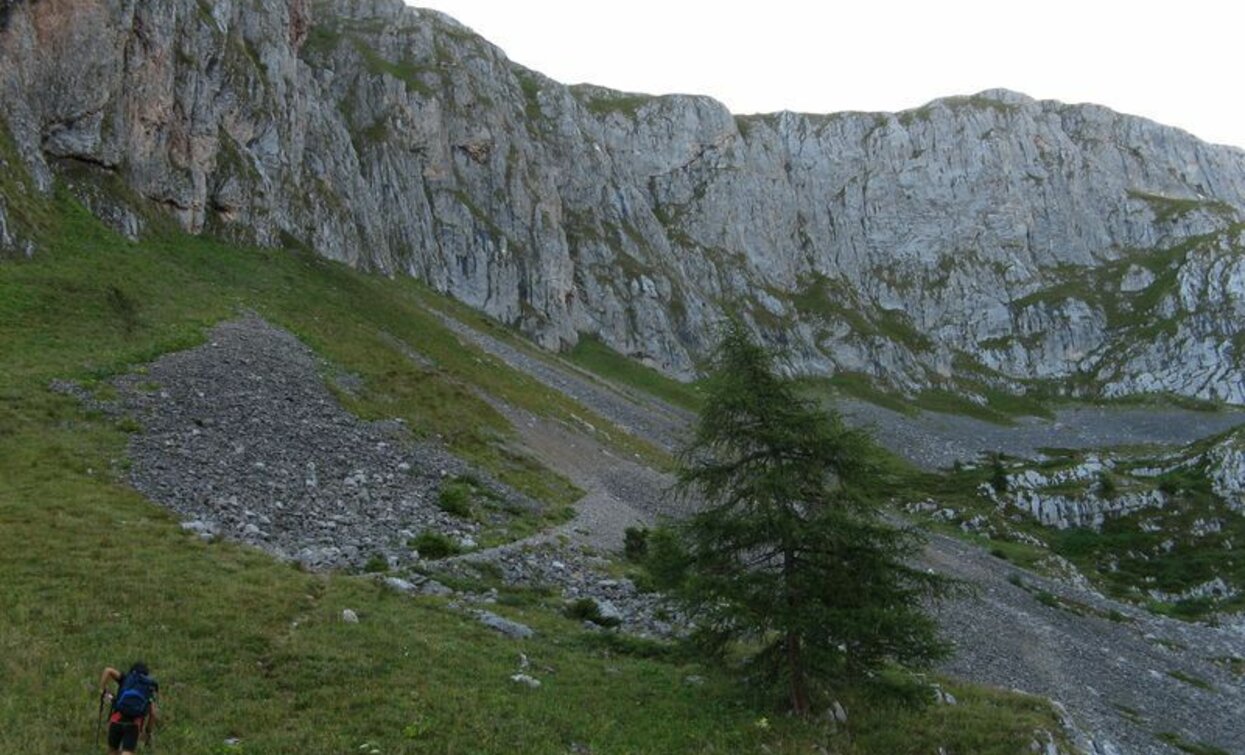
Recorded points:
(983, 241)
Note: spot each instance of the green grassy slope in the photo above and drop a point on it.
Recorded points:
(93, 574)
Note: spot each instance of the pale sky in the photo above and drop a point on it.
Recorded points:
(1178, 62)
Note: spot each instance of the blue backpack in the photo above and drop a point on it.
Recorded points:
(135, 696)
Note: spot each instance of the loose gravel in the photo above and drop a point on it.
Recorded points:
(243, 438)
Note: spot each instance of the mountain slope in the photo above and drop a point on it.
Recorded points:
(978, 241)
(250, 649)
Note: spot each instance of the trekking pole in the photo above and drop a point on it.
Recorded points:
(99, 719)
(150, 724)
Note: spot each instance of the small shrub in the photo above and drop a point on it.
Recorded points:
(1190, 679)
(129, 425)
(1016, 580)
(999, 553)
(667, 559)
(998, 474)
(1048, 599)
(635, 543)
(434, 545)
(376, 564)
(455, 498)
(1106, 485)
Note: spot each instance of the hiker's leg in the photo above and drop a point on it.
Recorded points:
(114, 738)
(127, 742)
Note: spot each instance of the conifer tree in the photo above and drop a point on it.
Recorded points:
(789, 560)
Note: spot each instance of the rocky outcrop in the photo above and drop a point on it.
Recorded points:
(1103, 485)
(1081, 495)
(1225, 466)
(977, 240)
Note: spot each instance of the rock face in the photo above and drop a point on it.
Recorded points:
(1225, 466)
(977, 241)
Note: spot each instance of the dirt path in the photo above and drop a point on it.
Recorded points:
(617, 493)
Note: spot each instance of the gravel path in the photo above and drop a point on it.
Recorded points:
(643, 416)
(618, 493)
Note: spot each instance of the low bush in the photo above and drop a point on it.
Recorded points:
(435, 545)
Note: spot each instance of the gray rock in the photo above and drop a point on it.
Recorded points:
(609, 612)
(511, 629)
(433, 587)
(524, 679)
(349, 616)
(400, 585)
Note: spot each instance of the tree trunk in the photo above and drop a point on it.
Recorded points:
(799, 691)
(795, 664)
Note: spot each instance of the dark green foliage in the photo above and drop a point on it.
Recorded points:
(376, 564)
(1190, 679)
(789, 562)
(1106, 485)
(455, 498)
(434, 545)
(667, 560)
(998, 474)
(635, 543)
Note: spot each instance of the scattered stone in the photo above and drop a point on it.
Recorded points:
(942, 697)
(433, 587)
(530, 681)
(512, 629)
(399, 584)
(349, 616)
(245, 441)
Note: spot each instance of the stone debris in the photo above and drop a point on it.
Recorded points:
(242, 437)
(511, 629)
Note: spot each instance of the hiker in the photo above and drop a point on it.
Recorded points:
(133, 708)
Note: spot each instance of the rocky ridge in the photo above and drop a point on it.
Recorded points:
(977, 242)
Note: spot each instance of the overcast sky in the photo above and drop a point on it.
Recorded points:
(1178, 63)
